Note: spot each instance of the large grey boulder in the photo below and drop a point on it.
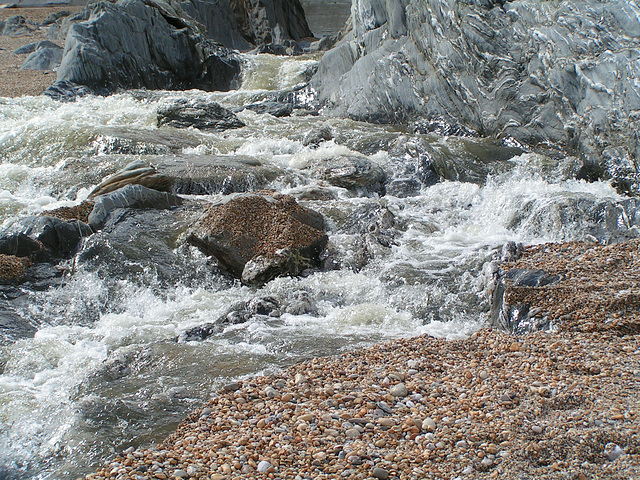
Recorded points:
(558, 72)
(257, 237)
(133, 44)
(46, 56)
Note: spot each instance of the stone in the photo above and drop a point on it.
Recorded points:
(12, 268)
(32, 47)
(357, 174)
(264, 466)
(16, 25)
(201, 115)
(429, 425)
(130, 196)
(158, 47)
(210, 174)
(45, 57)
(258, 237)
(380, 473)
(276, 109)
(135, 173)
(399, 390)
(42, 238)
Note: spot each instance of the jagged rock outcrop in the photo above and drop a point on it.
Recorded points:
(133, 44)
(158, 44)
(257, 237)
(563, 73)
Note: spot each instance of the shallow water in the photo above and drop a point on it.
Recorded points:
(98, 369)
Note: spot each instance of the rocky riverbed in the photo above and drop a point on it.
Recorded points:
(544, 405)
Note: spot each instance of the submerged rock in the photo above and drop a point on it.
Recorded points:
(200, 115)
(257, 237)
(357, 174)
(210, 174)
(563, 73)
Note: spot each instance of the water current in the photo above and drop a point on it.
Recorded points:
(96, 368)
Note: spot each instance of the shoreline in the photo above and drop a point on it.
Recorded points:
(542, 405)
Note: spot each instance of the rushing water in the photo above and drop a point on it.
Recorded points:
(101, 370)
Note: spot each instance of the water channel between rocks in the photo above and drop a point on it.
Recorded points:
(94, 366)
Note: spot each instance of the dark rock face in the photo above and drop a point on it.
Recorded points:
(563, 73)
(200, 115)
(265, 22)
(130, 44)
(259, 237)
(42, 238)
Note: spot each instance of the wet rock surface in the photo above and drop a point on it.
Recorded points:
(257, 237)
(210, 174)
(200, 115)
(135, 173)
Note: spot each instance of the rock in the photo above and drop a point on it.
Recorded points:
(158, 48)
(399, 390)
(209, 174)
(46, 56)
(55, 16)
(264, 466)
(66, 91)
(266, 22)
(203, 116)
(259, 237)
(12, 268)
(79, 212)
(144, 243)
(357, 174)
(32, 47)
(42, 238)
(15, 26)
(316, 136)
(465, 67)
(130, 196)
(613, 451)
(428, 424)
(136, 173)
(276, 109)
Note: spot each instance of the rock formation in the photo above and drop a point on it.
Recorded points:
(257, 237)
(562, 73)
(157, 44)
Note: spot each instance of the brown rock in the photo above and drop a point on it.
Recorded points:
(258, 237)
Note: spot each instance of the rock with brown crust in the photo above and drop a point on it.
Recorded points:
(257, 237)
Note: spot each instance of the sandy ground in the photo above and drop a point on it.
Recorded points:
(563, 405)
(13, 81)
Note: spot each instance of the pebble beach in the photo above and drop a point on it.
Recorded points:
(545, 405)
